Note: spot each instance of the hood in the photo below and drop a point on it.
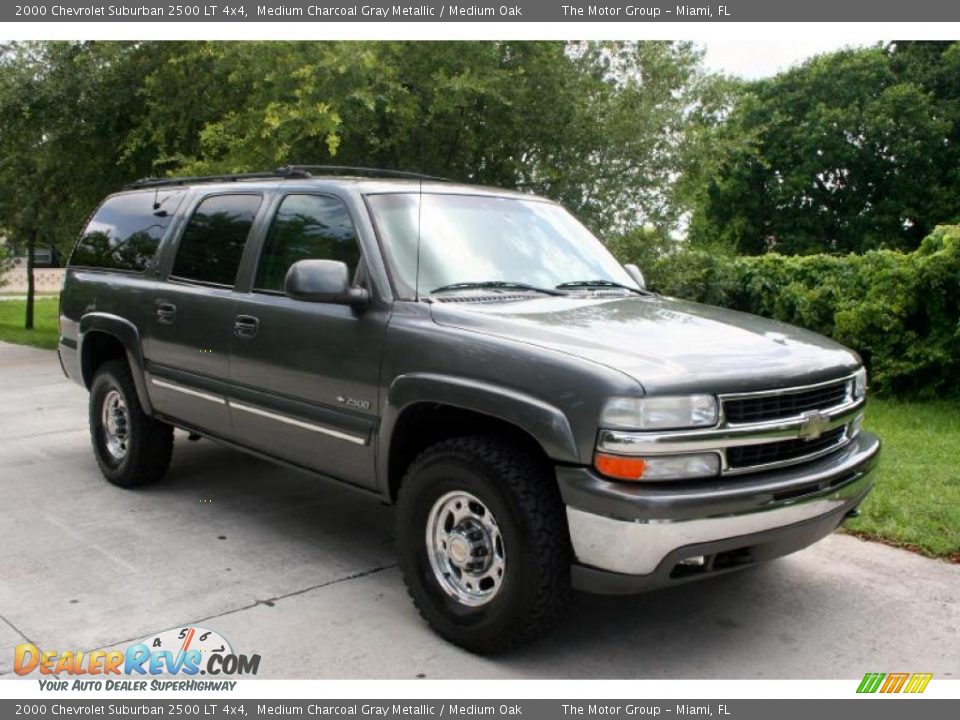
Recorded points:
(666, 345)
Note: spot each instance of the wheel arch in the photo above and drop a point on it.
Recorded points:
(104, 336)
(422, 409)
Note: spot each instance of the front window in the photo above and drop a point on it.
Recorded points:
(481, 239)
(306, 227)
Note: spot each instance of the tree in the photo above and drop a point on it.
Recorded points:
(21, 145)
(64, 109)
(597, 126)
(853, 150)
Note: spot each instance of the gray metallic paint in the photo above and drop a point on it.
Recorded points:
(546, 364)
(669, 346)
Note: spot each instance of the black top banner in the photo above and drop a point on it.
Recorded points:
(516, 11)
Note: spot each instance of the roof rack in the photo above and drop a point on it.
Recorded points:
(231, 177)
(385, 172)
(285, 172)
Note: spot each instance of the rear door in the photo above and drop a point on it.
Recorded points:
(192, 313)
(305, 374)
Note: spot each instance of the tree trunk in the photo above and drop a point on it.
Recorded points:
(31, 247)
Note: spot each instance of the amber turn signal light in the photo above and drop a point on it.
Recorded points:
(619, 467)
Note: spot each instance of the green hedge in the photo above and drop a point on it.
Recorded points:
(900, 311)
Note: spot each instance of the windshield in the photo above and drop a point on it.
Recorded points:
(483, 239)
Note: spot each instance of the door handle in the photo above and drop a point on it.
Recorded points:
(245, 326)
(165, 312)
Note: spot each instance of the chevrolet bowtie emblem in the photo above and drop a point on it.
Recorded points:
(813, 426)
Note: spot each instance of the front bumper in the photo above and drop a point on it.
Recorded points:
(631, 537)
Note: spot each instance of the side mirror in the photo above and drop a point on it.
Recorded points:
(634, 272)
(324, 281)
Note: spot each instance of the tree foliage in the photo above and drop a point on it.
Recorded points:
(854, 150)
(900, 311)
(597, 126)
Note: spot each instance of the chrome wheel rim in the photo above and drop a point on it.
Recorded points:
(465, 548)
(116, 425)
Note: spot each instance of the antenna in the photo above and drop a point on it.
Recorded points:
(419, 235)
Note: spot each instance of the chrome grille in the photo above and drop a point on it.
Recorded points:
(788, 403)
(783, 451)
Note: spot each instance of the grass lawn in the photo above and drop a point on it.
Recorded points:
(916, 497)
(44, 333)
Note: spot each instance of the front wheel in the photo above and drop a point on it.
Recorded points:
(131, 447)
(483, 543)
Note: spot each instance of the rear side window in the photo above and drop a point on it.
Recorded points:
(213, 240)
(126, 229)
(306, 227)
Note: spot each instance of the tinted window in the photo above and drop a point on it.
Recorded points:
(213, 240)
(306, 227)
(126, 229)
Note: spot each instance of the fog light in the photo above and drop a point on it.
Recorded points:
(695, 561)
(658, 467)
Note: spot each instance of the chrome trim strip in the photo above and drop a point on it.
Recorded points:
(298, 423)
(638, 548)
(187, 391)
(680, 441)
(786, 390)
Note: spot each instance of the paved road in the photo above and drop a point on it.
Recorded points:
(303, 573)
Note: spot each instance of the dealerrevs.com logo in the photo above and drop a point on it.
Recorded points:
(186, 651)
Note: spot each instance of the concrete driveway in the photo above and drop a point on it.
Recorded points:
(303, 573)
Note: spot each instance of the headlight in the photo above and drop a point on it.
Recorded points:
(859, 383)
(658, 467)
(659, 413)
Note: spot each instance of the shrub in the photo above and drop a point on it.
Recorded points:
(900, 311)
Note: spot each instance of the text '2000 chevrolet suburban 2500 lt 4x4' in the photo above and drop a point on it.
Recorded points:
(476, 356)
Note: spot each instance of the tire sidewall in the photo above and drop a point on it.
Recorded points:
(103, 383)
(443, 473)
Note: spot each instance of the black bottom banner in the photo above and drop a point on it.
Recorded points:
(874, 708)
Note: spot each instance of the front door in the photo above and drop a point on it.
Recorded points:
(192, 315)
(304, 374)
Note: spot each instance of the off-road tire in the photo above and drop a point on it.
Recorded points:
(522, 493)
(150, 442)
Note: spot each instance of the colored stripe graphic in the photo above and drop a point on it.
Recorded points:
(894, 682)
(870, 682)
(918, 682)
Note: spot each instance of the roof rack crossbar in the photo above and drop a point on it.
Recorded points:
(287, 171)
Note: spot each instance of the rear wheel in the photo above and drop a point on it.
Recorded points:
(483, 543)
(131, 448)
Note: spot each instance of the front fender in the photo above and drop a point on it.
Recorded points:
(128, 335)
(547, 424)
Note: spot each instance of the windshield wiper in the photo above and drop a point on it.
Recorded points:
(599, 284)
(495, 285)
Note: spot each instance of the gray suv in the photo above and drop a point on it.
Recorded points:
(475, 356)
